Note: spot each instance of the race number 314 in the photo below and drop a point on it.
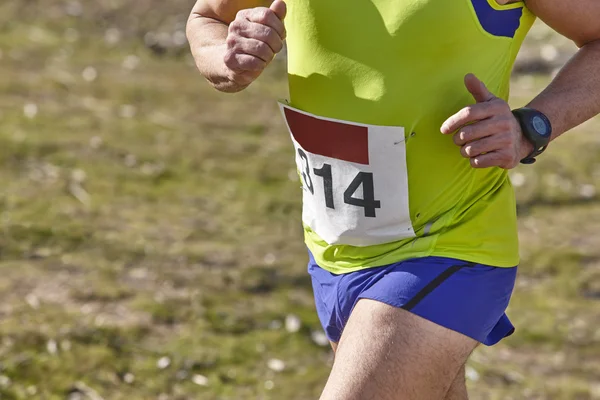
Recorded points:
(362, 179)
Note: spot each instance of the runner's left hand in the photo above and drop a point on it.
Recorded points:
(487, 132)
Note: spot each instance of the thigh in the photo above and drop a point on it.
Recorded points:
(387, 353)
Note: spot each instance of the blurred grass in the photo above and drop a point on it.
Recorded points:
(150, 241)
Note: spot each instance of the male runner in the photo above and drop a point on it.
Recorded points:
(403, 150)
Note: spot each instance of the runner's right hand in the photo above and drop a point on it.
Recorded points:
(253, 39)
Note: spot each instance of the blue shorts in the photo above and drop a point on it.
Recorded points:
(465, 297)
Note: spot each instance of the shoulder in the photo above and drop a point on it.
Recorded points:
(575, 19)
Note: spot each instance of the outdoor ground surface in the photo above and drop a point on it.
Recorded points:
(150, 243)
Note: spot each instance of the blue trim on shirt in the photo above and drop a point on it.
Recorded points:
(498, 22)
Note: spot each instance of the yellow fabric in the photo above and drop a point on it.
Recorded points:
(402, 63)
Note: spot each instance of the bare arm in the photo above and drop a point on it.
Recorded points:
(233, 41)
(489, 134)
(573, 97)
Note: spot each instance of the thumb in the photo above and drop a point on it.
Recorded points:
(478, 89)
(279, 8)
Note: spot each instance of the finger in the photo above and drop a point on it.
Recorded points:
(485, 145)
(492, 159)
(265, 16)
(279, 8)
(260, 32)
(478, 89)
(480, 130)
(251, 47)
(472, 113)
(239, 62)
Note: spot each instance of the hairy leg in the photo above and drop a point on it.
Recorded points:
(458, 390)
(387, 353)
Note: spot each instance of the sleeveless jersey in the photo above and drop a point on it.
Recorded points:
(370, 83)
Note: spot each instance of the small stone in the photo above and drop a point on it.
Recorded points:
(37, 34)
(292, 323)
(270, 259)
(319, 338)
(78, 176)
(30, 110)
(164, 39)
(130, 160)
(200, 380)
(163, 362)
(128, 378)
(151, 169)
(112, 36)
(86, 309)
(587, 191)
(100, 320)
(95, 142)
(549, 52)
(131, 62)
(89, 74)
(179, 38)
(269, 385)
(139, 273)
(4, 381)
(33, 301)
(595, 390)
(472, 374)
(52, 346)
(74, 8)
(43, 252)
(518, 179)
(276, 365)
(127, 111)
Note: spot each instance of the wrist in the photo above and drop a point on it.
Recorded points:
(526, 147)
(536, 132)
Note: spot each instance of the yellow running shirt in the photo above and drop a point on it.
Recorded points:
(371, 82)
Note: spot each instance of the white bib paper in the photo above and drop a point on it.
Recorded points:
(354, 179)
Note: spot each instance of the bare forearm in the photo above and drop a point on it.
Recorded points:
(207, 42)
(233, 41)
(573, 97)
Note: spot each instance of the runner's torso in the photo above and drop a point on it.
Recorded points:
(401, 63)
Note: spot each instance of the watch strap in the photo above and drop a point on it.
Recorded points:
(525, 116)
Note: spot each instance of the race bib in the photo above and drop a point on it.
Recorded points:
(354, 179)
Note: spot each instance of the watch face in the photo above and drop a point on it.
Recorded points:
(540, 125)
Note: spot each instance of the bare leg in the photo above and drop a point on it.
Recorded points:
(387, 353)
(458, 390)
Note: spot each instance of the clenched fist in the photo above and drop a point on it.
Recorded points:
(253, 39)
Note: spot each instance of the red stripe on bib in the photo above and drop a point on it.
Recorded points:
(328, 138)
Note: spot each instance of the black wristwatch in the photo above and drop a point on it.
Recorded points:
(536, 128)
